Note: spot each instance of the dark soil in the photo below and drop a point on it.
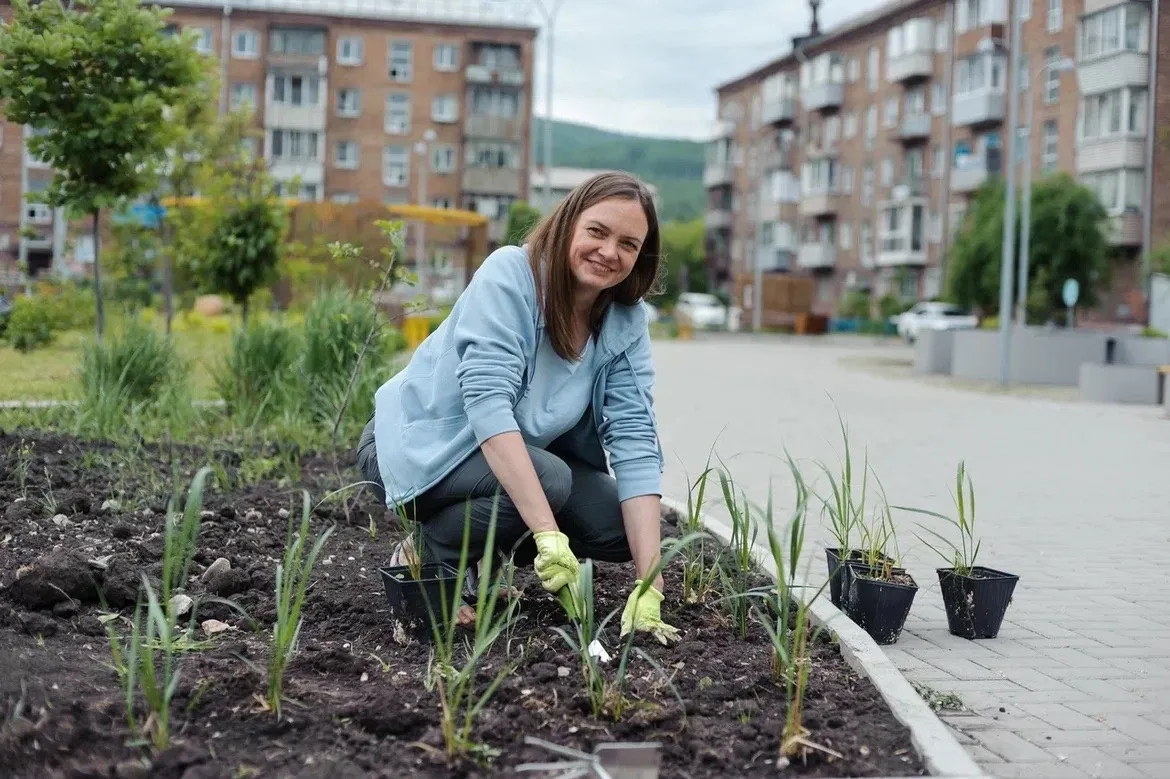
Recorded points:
(358, 706)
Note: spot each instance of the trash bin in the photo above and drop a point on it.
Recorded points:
(415, 329)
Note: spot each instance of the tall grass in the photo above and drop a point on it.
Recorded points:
(737, 567)
(255, 378)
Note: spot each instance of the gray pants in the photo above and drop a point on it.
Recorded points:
(584, 502)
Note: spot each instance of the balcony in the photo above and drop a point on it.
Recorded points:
(776, 159)
(717, 218)
(895, 253)
(486, 126)
(914, 127)
(818, 203)
(774, 258)
(718, 174)
(970, 176)
(910, 67)
(779, 111)
(296, 117)
(491, 181)
(979, 107)
(1126, 230)
(816, 255)
(485, 74)
(825, 96)
(1111, 153)
(1113, 71)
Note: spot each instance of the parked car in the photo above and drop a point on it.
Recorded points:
(702, 309)
(932, 316)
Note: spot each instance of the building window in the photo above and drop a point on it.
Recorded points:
(344, 198)
(245, 44)
(887, 172)
(296, 90)
(303, 43)
(444, 108)
(867, 185)
(401, 56)
(939, 98)
(345, 155)
(1055, 15)
(490, 154)
(854, 70)
(349, 102)
(937, 162)
(441, 201)
(395, 166)
(914, 165)
(295, 145)
(850, 124)
(1114, 112)
(1050, 148)
(865, 243)
(1052, 79)
(1118, 190)
(873, 70)
(891, 113)
(903, 229)
(847, 179)
(820, 176)
(870, 126)
(203, 42)
(1121, 28)
(486, 101)
(979, 72)
(350, 50)
(942, 38)
(916, 102)
(846, 236)
(446, 57)
(443, 158)
(1024, 9)
(397, 113)
(243, 96)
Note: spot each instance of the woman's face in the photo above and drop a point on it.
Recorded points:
(606, 242)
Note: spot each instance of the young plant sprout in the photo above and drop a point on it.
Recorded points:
(699, 574)
(962, 555)
(736, 576)
(846, 505)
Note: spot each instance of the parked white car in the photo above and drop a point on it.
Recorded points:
(932, 316)
(704, 310)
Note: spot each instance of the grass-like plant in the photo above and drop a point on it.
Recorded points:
(961, 555)
(460, 697)
(737, 567)
(607, 695)
(845, 505)
(700, 575)
(878, 547)
(292, 583)
(254, 379)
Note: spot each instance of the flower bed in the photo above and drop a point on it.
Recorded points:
(359, 700)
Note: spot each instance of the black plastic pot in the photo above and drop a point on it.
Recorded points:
(418, 603)
(976, 604)
(838, 591)
(879, 607)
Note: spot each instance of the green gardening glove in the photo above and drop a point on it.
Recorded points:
(556, 565)
(642, 613)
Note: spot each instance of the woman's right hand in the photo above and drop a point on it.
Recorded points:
(556, 566)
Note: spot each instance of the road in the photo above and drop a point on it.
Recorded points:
(1072, 497)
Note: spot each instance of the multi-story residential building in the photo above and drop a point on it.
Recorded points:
(357, 100)
(853, 157)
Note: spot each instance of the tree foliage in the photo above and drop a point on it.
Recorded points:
(521, 219)
(1068, 240)
(96, 80)
(683, 258)
(245, 244)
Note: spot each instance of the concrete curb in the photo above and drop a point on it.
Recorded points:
(936, 744)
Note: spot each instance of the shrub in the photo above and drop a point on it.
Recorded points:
(854, 305)
(71, 307)
(891, 305)
(30, 325)
(255, 378)
(131, 369)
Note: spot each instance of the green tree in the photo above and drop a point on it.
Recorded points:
(96, 79)
(683, 258)
(1068, 240)
(521, 219)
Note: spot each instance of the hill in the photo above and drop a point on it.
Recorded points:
(674, 166)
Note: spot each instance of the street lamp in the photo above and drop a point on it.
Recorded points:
(1062, 65)
(548, 9)
(422, 148)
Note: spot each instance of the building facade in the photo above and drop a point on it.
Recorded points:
(563, 181)
(403, 101)
(854, 157)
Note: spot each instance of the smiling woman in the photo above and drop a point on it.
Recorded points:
(542, 367)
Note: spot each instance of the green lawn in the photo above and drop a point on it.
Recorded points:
(51, 373)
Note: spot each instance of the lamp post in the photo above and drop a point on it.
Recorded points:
(423, 149)
(1062, 65)
(548, 9)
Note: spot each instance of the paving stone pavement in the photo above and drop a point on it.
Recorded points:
(1072, 497)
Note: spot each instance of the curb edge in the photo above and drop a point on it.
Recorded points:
(940, 750)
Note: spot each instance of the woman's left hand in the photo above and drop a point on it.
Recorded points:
(643, 613)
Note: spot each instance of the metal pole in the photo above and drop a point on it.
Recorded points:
(550, 17)
(420, 248)
(1026, 213)
(1009, 208)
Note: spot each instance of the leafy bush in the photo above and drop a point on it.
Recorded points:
(256, 377)
(130, 370)
(30, 325)
(854, 305)
(891, 305)
(1153, 332)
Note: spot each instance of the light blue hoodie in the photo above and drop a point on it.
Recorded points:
(464, 381)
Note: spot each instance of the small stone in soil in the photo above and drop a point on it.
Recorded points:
(230, 582)
(181, 604)
(62, 521)
(111, 505)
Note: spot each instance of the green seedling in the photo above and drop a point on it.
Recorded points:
(962, 555)
(736, 576)
(845, 506)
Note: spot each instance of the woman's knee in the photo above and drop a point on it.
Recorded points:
(367, 462)
(556, 478)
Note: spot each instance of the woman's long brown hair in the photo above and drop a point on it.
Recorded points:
(548, 250)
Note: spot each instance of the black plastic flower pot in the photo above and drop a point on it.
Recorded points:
(879, 607)
(417, 603)
(976, 604)
(838, 575)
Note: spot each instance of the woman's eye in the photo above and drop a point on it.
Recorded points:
(595, 231)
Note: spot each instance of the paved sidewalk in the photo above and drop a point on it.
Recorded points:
(1075, 498)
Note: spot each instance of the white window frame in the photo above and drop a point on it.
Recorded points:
(446, 64)
(396, 161)
(205, 43)
(1055, 15)
(401, 72)
(308, 141)
(1052, 78)
(443, 158)
(310, 88)
(38, 213)
(450, 102)
(344, 198)
(351, 50)
(248, 52)
(1050, 146)
(346, 161)
(393, 124)
(349, 112)
(238, 89)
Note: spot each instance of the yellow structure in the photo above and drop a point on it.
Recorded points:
(416, 329)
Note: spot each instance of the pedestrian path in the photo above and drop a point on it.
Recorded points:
(1075, 498)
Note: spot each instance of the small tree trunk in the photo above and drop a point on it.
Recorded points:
(97, 274)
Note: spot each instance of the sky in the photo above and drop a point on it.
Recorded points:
(650, 67)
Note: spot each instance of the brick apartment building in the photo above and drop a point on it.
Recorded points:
(854, 157)
(357, 99)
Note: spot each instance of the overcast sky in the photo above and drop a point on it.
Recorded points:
(650, 66)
